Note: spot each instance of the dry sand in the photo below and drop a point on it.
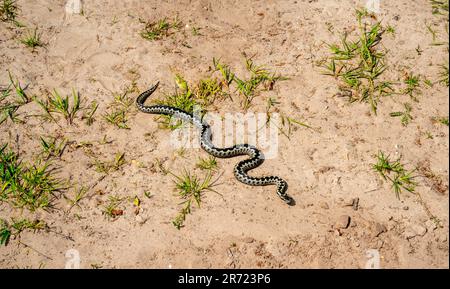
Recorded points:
(101, 52)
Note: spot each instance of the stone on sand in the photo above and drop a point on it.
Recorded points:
(342, 222)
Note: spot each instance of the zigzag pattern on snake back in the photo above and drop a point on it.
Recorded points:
(241, 169)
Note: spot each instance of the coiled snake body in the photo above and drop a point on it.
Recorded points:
(241, 169)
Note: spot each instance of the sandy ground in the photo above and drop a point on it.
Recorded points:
(101, 52)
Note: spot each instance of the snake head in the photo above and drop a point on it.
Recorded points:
(288, 200)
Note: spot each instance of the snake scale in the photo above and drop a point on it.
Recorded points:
(241, 169)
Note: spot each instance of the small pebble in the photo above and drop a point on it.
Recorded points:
(431, 225)
(140, 219)
(342, 222)
(98, 201)
(409, 233)
(379, 229)
(324, 205)
(420, 230)
(248, 240)
(443, 238)
(413, 231)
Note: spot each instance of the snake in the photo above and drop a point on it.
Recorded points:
(241, 168)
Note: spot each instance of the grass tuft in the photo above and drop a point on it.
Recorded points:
(208, 90)
(32, 39)
(56, 104)
(9, 104)
(207, 164)
(89, 113)
(434, 36)
(412, 83)
(160, 29)
(8, 10)
(78, 195)
(30, 186)
(439, 7)
(358, 64)
(405, 116)
(259, 76)
(109, 166)
(443, 75)
(51, 147)
(112, 210)
(225, 70)
(196, 31)
(395, 172)
(120, 109)
(190, 189)
(18, 226)
(441, 120)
